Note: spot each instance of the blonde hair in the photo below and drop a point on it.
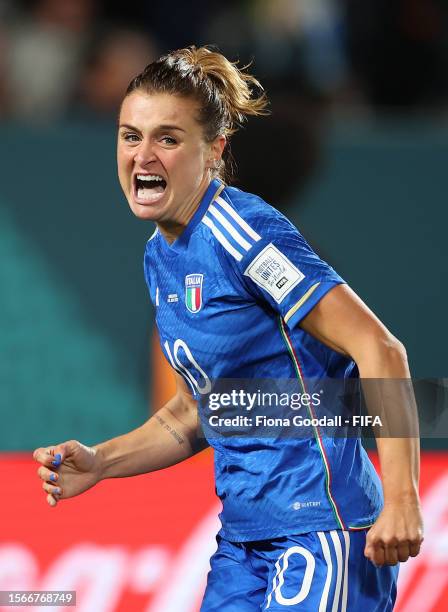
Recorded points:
(226, 94)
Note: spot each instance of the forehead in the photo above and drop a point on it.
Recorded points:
(147, 111)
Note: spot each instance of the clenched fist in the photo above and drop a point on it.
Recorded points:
(67, 469)
(396, 535)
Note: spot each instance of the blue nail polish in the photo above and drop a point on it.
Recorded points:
(56, 463)
(58, 457)
(53, 477)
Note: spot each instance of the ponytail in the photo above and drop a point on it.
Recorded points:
(226, 94)
(236, 87)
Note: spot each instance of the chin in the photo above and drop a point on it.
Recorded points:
(141, 211)
(145, 213)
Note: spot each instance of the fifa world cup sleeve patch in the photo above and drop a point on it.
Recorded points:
(274, 272)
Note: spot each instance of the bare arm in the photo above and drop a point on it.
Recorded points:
(168, 437)
(343, 322)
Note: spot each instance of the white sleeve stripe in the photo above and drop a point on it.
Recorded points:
(327, 556)
(241, 222)
(222, 239)
(338, 551)
(229, 227)
(301, 302)
(346, 535)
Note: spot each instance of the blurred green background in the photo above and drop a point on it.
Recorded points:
(355, 153)
(75, 318)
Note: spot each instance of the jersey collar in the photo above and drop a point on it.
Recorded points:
(181, 243)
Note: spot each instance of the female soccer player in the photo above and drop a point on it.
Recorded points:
(239, 294)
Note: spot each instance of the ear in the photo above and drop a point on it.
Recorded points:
(216, 150)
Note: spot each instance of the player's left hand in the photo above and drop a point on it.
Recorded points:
(396, 535)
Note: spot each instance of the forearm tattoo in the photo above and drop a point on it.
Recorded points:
(179, 439)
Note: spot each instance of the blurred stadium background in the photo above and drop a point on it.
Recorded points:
(355, 153)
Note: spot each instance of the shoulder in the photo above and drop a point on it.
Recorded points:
(238, 221)
(152, 247)
(153, 239)
(255, 210)
(150, 254)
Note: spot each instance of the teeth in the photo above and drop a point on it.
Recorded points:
(149, 177)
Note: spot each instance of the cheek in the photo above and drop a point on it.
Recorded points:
(190, 164)
(124, 164)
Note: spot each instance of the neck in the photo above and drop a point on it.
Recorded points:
(171, 229)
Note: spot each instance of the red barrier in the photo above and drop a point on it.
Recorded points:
(143, 544)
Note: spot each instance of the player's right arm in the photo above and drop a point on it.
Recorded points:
(168, 437)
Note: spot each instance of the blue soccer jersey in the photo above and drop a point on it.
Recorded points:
(230, 294)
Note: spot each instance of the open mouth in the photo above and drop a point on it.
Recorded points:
(149, 187)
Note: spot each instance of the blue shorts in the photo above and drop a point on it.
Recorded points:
(313, 572)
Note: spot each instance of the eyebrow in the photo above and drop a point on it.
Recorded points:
(171, 127)
(160, 127)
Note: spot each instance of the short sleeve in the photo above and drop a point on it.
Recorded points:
(281, 269)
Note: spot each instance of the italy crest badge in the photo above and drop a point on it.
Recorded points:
(193, 292)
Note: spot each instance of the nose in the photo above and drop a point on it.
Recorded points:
(144, 153)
